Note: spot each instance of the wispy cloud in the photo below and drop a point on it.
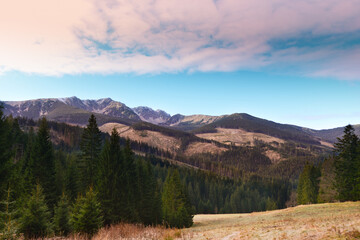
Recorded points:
(312, 37)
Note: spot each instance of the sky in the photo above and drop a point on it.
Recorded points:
(289, 61)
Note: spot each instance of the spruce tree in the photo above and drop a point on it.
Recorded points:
(347, 166)
(5, 154)
(308, 187)
(86, 217)
(148, 196)
(129, 185)
(62, 216)
(72, 178)
(8, 224)
(91, 147)
(35, 218)
(177, 211)
(110, 180)
(42, 163)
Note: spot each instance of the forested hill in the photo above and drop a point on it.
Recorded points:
(258, 125)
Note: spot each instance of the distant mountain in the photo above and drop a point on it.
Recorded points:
(257, 125)
(331, 135)
(105, 106)
(72, 110)
(191, 122)
(149, 115)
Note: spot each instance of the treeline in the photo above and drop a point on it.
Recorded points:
(45, 191)
(337, 178)
(210, 193)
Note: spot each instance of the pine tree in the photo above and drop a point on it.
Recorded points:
(308, 187)
(5, 154)
(35, 219)
(129, 185)
(110, 180)
(62, 217)
(148, 196)
(42, 164)
(91, 148)
(177, 211)
(347, 166)
(7, 218)
(86, 215)
(72, 178)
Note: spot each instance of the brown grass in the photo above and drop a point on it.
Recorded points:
(238, 137)
(202, 147)
(131, 231)
(158, 140)
(319, 221)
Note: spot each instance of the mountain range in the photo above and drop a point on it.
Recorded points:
(237, 141)
(76, 111)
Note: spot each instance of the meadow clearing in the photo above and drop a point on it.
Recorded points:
(317, 221)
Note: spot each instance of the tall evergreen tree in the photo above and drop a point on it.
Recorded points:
(5, 154)
(347, 166)
(72, 177)
(91, 148)
(308, 187)
(130, 185)
(177, 211)
(148, 196)
(110, 180)
(42, 163)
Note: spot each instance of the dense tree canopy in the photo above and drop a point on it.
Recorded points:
(90, 147)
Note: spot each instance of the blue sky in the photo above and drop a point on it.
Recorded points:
(288, 61)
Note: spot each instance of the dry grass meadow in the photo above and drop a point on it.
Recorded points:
(320, 221)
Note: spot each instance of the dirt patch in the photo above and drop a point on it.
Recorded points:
(275, 157)
(200, 147)
(154, 139)
(327, 144)
(238, 137)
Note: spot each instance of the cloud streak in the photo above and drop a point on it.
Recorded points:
(155, 36)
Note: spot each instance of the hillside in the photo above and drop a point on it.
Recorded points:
(257, 125)
(331, 135)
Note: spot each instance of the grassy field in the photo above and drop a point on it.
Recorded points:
(320, 221)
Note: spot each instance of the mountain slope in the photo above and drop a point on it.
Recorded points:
(331, 135)
(105, 106)
(191, 122)
(257, 125)
(57, 110)
(149, 115)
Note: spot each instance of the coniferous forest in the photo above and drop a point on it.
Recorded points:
(86, 180)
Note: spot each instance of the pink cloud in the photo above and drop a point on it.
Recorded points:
(153, 36)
